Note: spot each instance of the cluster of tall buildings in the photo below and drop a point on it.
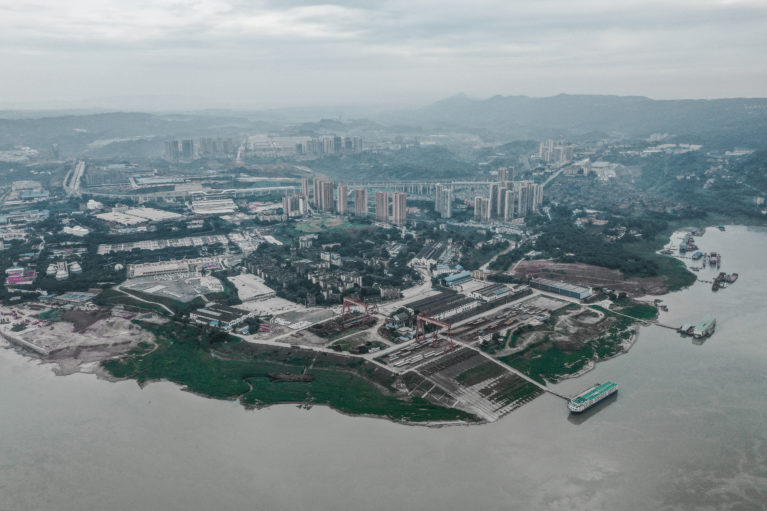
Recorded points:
(508, 200)
(398, 207)
(555, 152)
(323, 198)
(179, 149)
(294, 205)
(185, 149)
(215, 146)
(443, 200)
(330, 145)
(323, 195)
(506, 174)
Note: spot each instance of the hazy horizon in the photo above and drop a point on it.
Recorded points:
(170, 105)
(203, 54)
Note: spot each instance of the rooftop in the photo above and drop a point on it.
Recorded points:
(561, 285)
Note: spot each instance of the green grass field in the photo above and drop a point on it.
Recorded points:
(549, 363)
(112, 297)
(348, 343)
(184, 356)
(546, 361)
(322, 224)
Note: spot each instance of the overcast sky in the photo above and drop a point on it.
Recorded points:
(290, 52)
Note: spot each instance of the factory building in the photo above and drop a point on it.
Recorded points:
(562, 288)
(221, 316)
(457, 279)
(491, 293)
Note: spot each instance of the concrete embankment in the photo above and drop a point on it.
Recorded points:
(25, 344)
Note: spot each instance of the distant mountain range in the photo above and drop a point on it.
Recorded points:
(727, 121)
(718, 123)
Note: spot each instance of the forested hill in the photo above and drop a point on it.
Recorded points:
(412, 163)
(75, 133)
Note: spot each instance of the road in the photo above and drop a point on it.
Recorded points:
(553, 176)
(72, 186)
(514, 267)
(512, 246)
(408, 295)
(277, 341)
(134, 297)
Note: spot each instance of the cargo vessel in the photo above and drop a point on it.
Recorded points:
(592, 396)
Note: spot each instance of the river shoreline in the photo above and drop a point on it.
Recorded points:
(686, 431)
(71, 365)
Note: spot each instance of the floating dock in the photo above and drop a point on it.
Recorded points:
(704, 328)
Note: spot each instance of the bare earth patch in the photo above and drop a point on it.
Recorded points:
(83, 319)
(593, 276)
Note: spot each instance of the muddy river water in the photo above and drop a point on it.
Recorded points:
(688, 430)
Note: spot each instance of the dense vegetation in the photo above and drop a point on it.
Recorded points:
(548, 361)
(566, 243)
(218, 365)
(410, 163)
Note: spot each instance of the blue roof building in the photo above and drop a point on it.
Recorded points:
(457, 279)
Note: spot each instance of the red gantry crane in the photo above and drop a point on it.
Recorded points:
(420, 330)
(351, 303)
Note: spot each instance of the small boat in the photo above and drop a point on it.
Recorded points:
(721, 227)
(732, 277)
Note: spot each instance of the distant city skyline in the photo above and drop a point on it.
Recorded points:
(268, 54)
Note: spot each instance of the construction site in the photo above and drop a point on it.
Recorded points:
(182, 287)
(72, 336)
(533, 311)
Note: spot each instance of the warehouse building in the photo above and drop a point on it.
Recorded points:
(562, 288)
(431, 253)
(457, 279)
(443, 305)
(174, 266)
(491, 293)
(221, 316)
(213, 207)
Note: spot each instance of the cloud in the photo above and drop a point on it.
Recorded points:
(444, 45)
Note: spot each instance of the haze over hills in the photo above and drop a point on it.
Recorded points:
(718, 123)
(573, 115)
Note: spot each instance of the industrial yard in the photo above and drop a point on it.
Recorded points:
(401, 302)
(72, 336)
(183, 287)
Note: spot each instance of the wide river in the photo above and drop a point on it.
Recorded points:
(688, 430)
